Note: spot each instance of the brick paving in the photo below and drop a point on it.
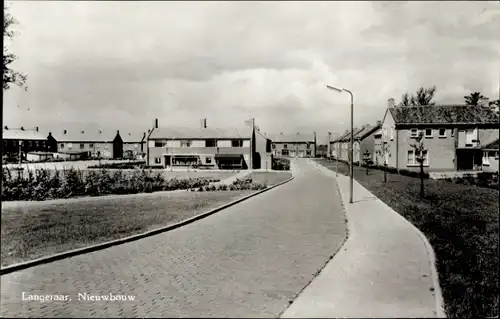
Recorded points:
(249, 260)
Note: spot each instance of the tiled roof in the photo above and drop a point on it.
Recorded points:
(443, 114)
(347, 137)
(200, 133)
(487, 137)
(294, 138)
(367, 132)
(18, 134)
(81, 135)
(492, 146)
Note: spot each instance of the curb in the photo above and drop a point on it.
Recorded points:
(84, 250)
(438, 296)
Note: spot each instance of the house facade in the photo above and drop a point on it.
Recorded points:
(24, 141)
(364, 143)
(133, 144)
(294, 145)
(212, 148)
(455, 136)
(86, 144)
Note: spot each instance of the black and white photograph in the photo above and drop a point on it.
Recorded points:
(250, 159)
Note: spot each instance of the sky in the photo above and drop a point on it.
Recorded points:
(121, 64)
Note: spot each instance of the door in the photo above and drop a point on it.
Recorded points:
(167, 160)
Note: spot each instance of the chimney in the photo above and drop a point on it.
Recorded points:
(484, 102)
(118, 132)
(391, 102)
(22, 128)
(156, 123)
(379, 122)
(36, 128)
(65, 132)
(203, 123)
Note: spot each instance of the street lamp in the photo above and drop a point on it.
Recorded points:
(351, 151)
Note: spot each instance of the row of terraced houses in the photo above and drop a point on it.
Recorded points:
(204, 147)
(455, 137)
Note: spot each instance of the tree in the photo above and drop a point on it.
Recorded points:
(473, 98)
(422, 97)
(385, 153)
(420, 150)
(10, 76)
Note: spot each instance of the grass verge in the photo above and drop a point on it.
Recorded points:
(462, 225)
(269, 178)
(37, 229)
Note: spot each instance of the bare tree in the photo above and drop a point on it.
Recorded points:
(419, 150)
(385, 153)
(10, 76)
(422, 97)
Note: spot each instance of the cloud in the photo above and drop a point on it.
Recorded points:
(126, 63)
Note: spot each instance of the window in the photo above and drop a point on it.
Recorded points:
(210, 143)
(186, 143)
(308, 153)
(413, 132)
(105, 145)
(237, 143)
(392, 133)
(452, 132)
(82, 145)
(159, 144)
(70, 145)
(208, 160)
(486, 161)
(442, 132)
(285, 146)
(413, 156)
(157, 160)
(61, 145)
(91, 144)
(273, 146)
(428, 132)
(308, 146)
(284, 152)
(98, 145)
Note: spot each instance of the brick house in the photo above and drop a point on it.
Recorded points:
(294, 145)
(207, 147)
(30, 140)
(454, 136)
(364, 143)
(133, 144)
(86, 144)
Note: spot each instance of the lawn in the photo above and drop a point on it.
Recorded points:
(32, 230)
(270, 178)
(461, 223)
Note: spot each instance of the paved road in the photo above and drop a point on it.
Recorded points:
(247, 261)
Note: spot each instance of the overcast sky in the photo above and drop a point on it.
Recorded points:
(121, 64)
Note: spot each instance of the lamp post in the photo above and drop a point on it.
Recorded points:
(351, 151)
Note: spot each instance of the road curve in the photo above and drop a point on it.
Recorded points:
(249, 260)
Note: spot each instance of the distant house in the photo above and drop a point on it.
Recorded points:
(216, 148)
(84, 144)
(16, 140)
(455, 136)
(343, 144)
(294, 145)
(364, 143)
(133, 144)
(321, 150)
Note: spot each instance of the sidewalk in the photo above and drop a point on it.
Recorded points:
(384, 269)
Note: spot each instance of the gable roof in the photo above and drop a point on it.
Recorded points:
(200, 133)
(294, 138)
(487, 137)
(492, 146)
(80, 135)
(18, 134)
(347, 137)
(443, 114)
(129, 136)
(369, 130)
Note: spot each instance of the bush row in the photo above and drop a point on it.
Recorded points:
(483, 179)
(126, 165)
(238, 184)
(280, 164)
(43, 184)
